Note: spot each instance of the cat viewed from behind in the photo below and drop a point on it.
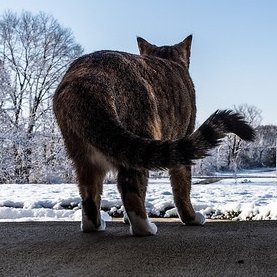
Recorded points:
(135, 113)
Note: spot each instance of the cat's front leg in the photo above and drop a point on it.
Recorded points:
(181, 186)
(199, 219)
(132, 186)
(141, 226)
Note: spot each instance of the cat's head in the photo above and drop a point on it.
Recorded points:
(179, 53)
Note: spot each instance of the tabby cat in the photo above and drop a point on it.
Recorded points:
(135, 113)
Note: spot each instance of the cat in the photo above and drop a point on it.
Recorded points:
(134, 113)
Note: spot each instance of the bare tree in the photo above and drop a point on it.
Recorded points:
(34, 52)
(5, 124)
(265, 146)
(233, 143)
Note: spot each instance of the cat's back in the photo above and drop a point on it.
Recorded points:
(116, 65)
(104, 61)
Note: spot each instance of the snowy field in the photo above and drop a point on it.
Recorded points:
(247, 198)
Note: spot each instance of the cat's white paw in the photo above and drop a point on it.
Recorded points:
(141, 226)
(151, 229)
(198, 220)
(87, 225)
(125, 218)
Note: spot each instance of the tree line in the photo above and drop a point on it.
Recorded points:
(35, 51)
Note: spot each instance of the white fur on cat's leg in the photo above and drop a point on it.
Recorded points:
(141, 226)
(198, 220)
(125, 218)
(88, 226)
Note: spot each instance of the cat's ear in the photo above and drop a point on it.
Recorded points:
(184, 48)
(185, 45)
(145, 48)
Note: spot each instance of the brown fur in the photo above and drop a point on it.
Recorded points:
(134, 113)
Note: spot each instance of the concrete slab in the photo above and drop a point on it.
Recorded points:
(216, 249)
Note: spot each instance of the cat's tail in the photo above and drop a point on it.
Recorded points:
(82, 114)
(212, 131)
(157, 154)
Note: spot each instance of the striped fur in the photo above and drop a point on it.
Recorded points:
(133, 113)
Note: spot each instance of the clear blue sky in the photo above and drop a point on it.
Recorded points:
(234, 52)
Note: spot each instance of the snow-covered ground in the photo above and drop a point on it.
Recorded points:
(243, 199)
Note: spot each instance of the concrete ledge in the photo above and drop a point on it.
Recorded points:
(217, 249)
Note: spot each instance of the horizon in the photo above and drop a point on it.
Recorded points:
(234, 46)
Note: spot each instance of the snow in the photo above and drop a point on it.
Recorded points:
(249, 198)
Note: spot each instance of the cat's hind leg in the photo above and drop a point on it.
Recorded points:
(181, 186)
(90, 186)
(90, 169)
(132, 185)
